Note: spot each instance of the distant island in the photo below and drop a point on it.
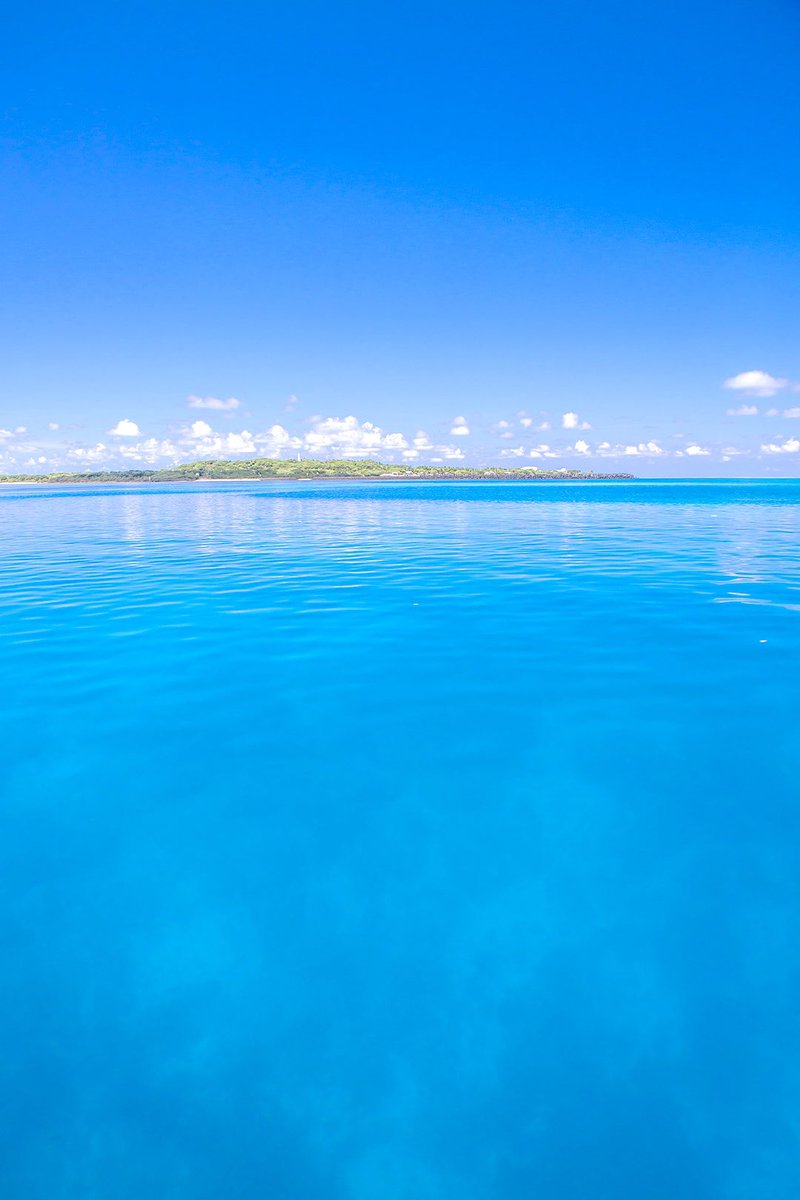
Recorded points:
(307, 468)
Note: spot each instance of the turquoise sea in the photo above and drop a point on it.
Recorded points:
(400, 842)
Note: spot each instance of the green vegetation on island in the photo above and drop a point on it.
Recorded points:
(306, 468)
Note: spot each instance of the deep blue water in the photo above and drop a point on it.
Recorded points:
(400, 842)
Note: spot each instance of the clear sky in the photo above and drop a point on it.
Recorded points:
(542, 233)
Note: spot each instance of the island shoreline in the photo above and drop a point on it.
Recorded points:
(314, 471)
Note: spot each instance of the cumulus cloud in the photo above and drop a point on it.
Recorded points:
(320, 437)
(88, 453)
(197, 441)
(526, 422)
(395, 441)
(125, 428)
(790, 446)
(744, 410)
(279, 437)
(571, 420)
(343, 434)
(213, 402)
(201, 441)
(152, 451)
(649, 449)
(350, 437)
(756, 383)
(53, 426)
(240, 443)
(695, 450)
(792, 413)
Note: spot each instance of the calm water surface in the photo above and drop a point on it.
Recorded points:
(400, 842)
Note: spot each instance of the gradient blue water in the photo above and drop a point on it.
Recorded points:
(400, 842)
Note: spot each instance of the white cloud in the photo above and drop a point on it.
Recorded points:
(291, 404)
(460, 427)
(125, 428)
(644, 449)
(88, 453)
(278, 436)
(744, 410)
(151, 452)
(201, 441)
(212, 402)
(695, 450)
(757, 383)
(792, 413)
(343, 435)
(320, 437)
(240, 443)
(348, 436)
(571, 420)
(198, 441)
(53, 426)
(395, 441)
(6, 433)
(526, 422)
(790, 446)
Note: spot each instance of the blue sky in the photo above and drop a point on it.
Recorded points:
(519, 233)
